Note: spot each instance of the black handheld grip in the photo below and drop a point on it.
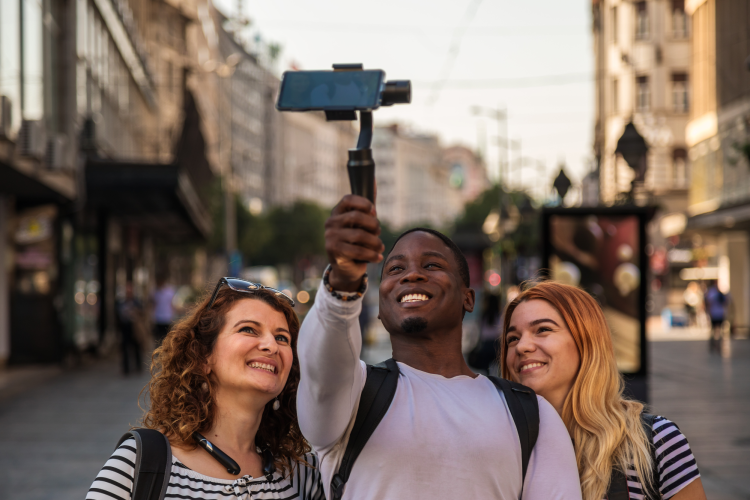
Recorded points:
(361, 169)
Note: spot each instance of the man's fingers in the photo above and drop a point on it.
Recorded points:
(361, 238)
(353, 202)
(357, 253)
(354, 219)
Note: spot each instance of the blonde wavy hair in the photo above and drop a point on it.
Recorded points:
(605, 426)
(179, 405)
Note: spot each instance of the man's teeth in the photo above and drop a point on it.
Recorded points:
(414, 297)
(530, 366)
(263, 366)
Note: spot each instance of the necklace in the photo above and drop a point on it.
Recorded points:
(226, 461)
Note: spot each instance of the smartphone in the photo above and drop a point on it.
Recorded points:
(330, 90)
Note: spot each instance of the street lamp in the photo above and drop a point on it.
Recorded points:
(562, 184)
(633, 148)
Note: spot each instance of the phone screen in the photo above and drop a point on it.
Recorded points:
(333, 90)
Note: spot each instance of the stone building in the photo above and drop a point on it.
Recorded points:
(413, 180)
(642, 71)
(101, 159)
(718, 140)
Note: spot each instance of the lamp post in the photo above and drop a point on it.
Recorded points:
(633, 148)
(562, 184)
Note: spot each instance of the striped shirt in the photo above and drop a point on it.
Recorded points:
(115, 480)
(675, 462)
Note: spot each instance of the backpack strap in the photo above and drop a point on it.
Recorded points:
(618, 483)
(524, 408)
(377, 394)
(652, 492)
(618, 486)
(153, 463)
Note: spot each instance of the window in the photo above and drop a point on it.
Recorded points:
(643, 95)
(679, 19)
(614, 25)
(679, 168)
(680, 103)
(641, 21)
(615, 97)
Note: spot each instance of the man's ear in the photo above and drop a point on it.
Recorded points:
(469, 299)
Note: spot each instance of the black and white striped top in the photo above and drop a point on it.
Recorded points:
(675, 462)
(115, 480)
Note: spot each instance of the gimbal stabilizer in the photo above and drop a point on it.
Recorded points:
(361, 166)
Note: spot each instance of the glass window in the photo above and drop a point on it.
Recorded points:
(679, 19)
(643, 96)
(615, 97)
(680, 103)
(33, 61)
(10, 61)
(614, 25)
(641, 20)
(679, 167)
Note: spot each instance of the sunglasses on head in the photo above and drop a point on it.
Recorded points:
(239, 285)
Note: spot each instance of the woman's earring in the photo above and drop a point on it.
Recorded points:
(276, 404)
(204, 386)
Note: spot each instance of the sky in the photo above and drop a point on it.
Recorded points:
(534, 59)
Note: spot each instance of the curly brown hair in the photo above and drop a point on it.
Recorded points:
(179, 406)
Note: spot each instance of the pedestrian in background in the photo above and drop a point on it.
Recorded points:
(556, 341)
(716, 307)
(227, 371)
(163, 313)
(485, 352)
(128, 311)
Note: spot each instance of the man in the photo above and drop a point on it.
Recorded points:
(448, 433)
(716, 307)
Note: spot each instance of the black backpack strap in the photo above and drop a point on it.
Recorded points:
(652, 492)
(377, 394)
(524, 408)
(153, 463)
(618, 484)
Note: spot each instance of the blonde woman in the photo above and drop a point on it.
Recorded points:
(556, 341)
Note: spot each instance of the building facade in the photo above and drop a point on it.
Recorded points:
(313, 166)
(718, 140)
(642, 64)
(414, 180)
(101, 158)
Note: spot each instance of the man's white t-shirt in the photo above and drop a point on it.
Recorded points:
(450, 438)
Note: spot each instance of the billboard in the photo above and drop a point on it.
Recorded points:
(602, 250)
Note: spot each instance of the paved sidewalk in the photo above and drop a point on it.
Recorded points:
(56, 436)
(708, 397)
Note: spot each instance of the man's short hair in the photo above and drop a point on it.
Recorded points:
(463, 266)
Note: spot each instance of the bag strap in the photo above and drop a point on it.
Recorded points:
(377, 394)
(153, 463)
(524, 408)
(618, 483)
(652, 492)
(618, 486)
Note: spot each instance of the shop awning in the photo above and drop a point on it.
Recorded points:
(27, 189)
(730, 217)
(159, 199)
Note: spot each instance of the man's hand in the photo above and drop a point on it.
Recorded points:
(352, 240)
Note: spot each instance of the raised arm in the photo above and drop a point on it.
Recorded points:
(553, 473)
(332, 376)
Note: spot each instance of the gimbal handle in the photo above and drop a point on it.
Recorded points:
(361, 166)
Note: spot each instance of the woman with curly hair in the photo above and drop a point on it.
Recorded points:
(225, 380)
(556, 341)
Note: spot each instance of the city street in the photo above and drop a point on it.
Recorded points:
(58, 432)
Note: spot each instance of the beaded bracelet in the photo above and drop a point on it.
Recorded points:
(354, 295)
